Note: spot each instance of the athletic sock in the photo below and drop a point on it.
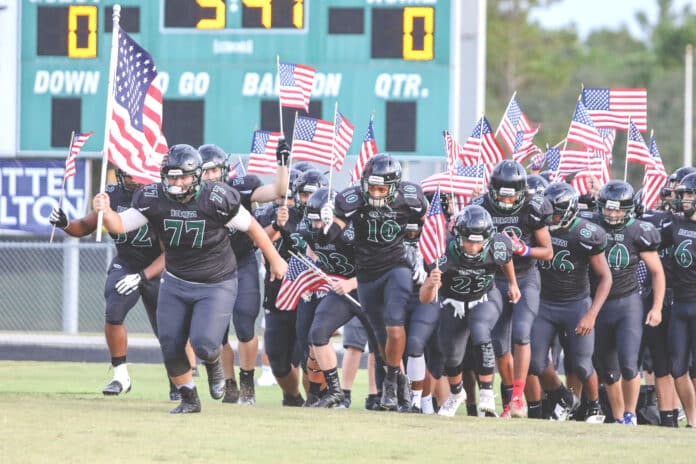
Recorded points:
(118, 360)
(505, 393)
(534, 409)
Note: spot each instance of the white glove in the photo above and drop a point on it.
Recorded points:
(419, 275)
(458, 306)
(327, 214)
(129, 283)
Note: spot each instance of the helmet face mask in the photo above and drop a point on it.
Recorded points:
(380, 180)
(616, 204)
(126, 181)
(473, 229)
(182, 162)
(507, 188)
(686, 195)
(312, 210)
(216, 165)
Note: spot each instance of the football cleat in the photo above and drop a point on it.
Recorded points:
(247, 394)
(267, 379)
(115, 388)
(372, 402)
(486, 403)
(449, 408)
(594, 414)
(174, 394)
(293, 401)
(404, 394)
(231, 391)
(216, 379)
(565, 407)
(313, 399)
(332, 399)
(630, 419)
(506, 412)
(194, 371)
(190, 403)
(517, 408)
(389, 400)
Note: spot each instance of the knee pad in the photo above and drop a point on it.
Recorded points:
(414, 347)
(611, 376)
(206, 353)
(584, 371)
(113, 322)
(485, 358)
(629, 373)
(453, 371)
(178, 366)
(318, 337)
(243, 327)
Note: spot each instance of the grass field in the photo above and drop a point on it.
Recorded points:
(54, 412)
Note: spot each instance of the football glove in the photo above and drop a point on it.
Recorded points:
(129, 283)
(58, 218)
(459, 307)
(282, 152)
(327, 214)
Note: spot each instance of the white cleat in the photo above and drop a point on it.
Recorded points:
(486, 405)
(449, 409)
(267, 379)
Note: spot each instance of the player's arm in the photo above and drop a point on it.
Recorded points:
(76, 228)
(544, 249)
(245, 222)
(599, 266)
(276, 228)
(428, 291)
(514, 293)
(118, 223)
(657, 274)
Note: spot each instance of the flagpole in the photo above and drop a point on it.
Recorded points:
(480, 154)
(451, 175)
(109, 110)
(628, 137)
(290, 162)
(280, 104)
(62, 186)
(316, 270)
(333, 148)
(506, 110)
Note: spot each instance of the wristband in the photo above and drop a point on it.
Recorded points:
(525, 251)
(142, 276)
(276, 227)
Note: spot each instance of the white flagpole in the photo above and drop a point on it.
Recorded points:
(62, 186)
(480, 150)
(280, 104)
(109, 109)
(333, 148)
(290, 162)
(451, 175)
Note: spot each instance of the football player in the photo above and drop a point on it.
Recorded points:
(464, 283)
(566, 307)
(379, 208)
(524, 218)
(133, 273)
(193, 218)
(248, 303)
(619, 326)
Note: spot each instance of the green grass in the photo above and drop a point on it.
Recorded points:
(54, 412)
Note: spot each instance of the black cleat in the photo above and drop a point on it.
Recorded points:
(389, 400)
(115, 388)
(247, 394)
(332, 399)
(194, 371)
(231, 391)
(293, 401)
(174, 394)
(313, 399)
(190, 403)
(216, 379)
(372, 402)
(404, 394)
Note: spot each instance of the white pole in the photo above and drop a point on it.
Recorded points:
(109, 110)
(455, 111)
(280, 103)
(481, 59)
(688, 104)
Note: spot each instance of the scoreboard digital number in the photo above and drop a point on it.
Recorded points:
(217, 68)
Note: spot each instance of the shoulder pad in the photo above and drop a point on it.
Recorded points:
(648, 238)
(591, 236)
(413, 196)
(245, 184)
(349, 200)
(479, 200)
(110, 188)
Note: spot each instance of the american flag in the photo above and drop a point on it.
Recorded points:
(455, 151)
(524, 147)
(636, 150)
(582, 181)
(136, 143)
(608, 134)
(459, 183)
(611, 107)
(75, 147)
(368, 148)
(343, 137)
(583, 131)
(432, 240)
(654, 178)
(312, 140)
(514, 120)
(553, 158)
(262, 157)
(296, 82)
(482, 141)
(538, 161)
(237, 170)
(298, 280)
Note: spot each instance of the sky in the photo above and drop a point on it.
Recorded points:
(595, 14)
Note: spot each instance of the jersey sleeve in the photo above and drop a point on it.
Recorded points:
(265, 215)
(145, 200)
(348, 202)
(539, 211)
(415, 199)
(592, 238)
(225, 202)
(649, 238)
(501, 247)
(665, 228)
(245, 184)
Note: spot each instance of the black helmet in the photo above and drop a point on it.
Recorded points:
(680, 174)
(215, 157)
(587, 202)
(444, 201)
(666, 194)
(381, 169)
(292, 177)
(125, 184)
(508, 179)
(687, 185)
(546, 174)
(315, 203)
(182, 160)
(473, 224)
(564, 200)
(303, 166)
(638, 204)
(536, 184)
(616, 195)
(308, 182)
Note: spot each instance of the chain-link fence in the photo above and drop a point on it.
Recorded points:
(57, 287)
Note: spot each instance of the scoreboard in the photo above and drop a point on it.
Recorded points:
(217, 68)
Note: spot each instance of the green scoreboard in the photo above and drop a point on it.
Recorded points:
(217, 64)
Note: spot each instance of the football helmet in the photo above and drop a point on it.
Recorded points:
(381, 169)
(564, 200)
(536, 184)
(308, 182)
(215, 157)
(616, 195)
(181, 161)
(508, 180)
(121, 178)
(473, 224)
(687, 185)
